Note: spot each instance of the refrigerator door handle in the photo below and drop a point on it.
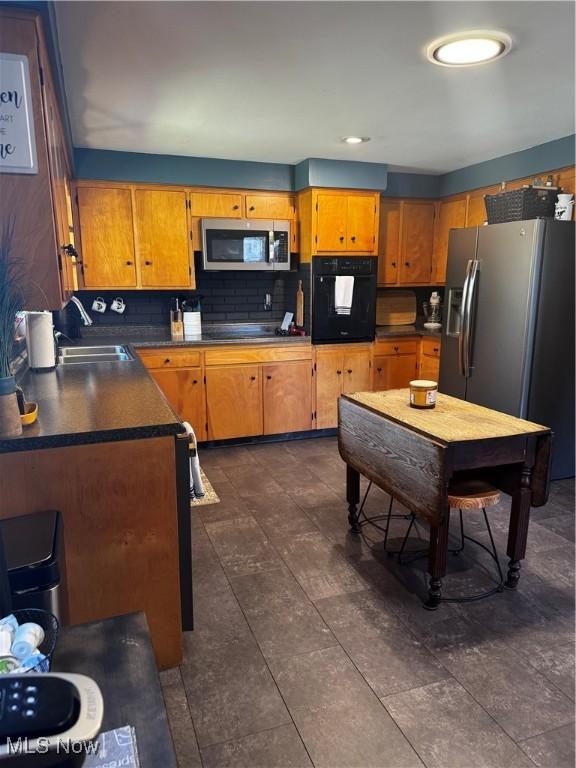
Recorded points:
(462, 336)
(468, 301)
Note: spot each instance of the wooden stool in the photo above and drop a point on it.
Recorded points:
(472, 493)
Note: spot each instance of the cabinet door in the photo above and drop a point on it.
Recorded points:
(269, 207)
(389, 243)
(287, 396)
(329, 377)
(163, 241)
(215, 204)
(361, 224)
(184, 391)
(357, 376)
(476, 208)
(393, 371)
(452, 216)
(331, 216)
(429, 367)
(417, 242)
(234, 401)
(107, 236)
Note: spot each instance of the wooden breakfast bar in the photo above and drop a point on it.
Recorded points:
(415, 454)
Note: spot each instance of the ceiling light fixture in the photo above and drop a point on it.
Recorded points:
(356, 139)
(466, 49)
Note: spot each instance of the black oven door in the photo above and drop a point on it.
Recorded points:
(330, 326)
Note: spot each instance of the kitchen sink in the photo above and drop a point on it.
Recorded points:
(117, 353)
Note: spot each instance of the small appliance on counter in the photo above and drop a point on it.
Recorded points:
(47, 719)
(41, 341)
(433, 312)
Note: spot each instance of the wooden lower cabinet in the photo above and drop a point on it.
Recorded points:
(234, 401)
(429, 362)
(339, 371)
(287, 397)
(184, 390)
(395, 363)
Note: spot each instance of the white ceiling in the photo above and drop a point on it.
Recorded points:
(282, 81)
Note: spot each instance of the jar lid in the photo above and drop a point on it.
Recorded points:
(423, 384)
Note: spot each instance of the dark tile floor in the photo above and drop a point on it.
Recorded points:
(312, 648)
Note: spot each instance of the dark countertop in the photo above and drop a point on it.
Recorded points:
(407, 330)
(144, 336)
(118, 655)
(93, 403)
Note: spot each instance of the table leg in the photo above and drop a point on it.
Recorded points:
(437, 557)
(518, 530)
(353, 497)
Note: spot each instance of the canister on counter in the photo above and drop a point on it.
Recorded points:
(423, 393)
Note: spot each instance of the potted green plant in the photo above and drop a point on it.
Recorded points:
(11, 302)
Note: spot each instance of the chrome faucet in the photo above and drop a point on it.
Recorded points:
(86, 319)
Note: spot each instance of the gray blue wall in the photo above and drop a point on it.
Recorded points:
(212, 172)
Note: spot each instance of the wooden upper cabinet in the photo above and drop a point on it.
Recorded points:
(343, 222)
(216, 205)
(107, 237)
(287, 389)
(269, 207)
(234, 401)
(361, 223)
(331, 214)
(476, 208)
(417, 242)
(389, 242)
(162, 238)
(452, 215)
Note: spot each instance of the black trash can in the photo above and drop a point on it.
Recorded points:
(34, 548)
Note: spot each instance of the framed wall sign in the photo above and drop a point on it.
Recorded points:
(17, 140)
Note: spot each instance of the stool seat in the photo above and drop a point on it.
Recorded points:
(472, 494)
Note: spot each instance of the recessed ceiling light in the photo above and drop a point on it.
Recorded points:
(356, 139)
(465, 49)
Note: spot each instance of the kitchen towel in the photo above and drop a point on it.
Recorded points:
(343, 291)
(196, 484)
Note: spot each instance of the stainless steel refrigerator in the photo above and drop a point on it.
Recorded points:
(508, 335)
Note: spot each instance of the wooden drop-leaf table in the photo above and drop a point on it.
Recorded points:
(414, 455)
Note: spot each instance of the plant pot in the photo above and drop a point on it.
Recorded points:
(10, 423)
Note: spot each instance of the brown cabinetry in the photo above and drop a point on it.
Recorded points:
(107, 237)
(184, 391)
(269, 206)
(287, 396)
(338, 221)
(35, 204)
(227, 205)
(134, 236)
(429, 361)
(339, 370)
(234, 401)
(452, 215)
(162, 237)
(406, 242)
(395, 363)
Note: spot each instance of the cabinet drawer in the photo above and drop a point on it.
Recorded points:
(431, 347)
(171, 358)
(396, 347)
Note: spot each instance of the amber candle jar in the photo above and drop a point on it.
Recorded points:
(423, 393)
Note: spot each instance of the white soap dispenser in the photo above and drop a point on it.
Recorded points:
(434, 311)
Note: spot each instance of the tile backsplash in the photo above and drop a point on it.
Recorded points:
(230, 296)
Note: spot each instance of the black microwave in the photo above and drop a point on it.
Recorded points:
(245, 244)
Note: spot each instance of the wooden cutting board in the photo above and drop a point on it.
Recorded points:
(396, 307)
